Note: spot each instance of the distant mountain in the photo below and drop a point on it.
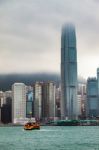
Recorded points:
(6, 81)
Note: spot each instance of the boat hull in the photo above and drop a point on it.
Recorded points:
(31, 126)
(32, 129)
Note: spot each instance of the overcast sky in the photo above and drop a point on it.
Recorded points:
(30, 32)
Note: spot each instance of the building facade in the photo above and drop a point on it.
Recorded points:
(29, 102)
(6, 111)
(69, 108)
(98, 81)
(44, 100)
(81, 93)
(48, 100)
(57, 101)
(92, 108)
(6, 106)
(18, 102)
(38, 100)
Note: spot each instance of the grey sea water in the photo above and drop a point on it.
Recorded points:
(50, 138)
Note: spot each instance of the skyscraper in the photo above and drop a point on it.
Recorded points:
(18, 102)
(69, 107)
(38, 100)
(81, 95)
(44, 100)
(29, 102)
(92, 98)
(98, 81)
(48, 100)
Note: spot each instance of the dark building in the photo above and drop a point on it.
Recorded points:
(48, 100)
(44, 100)
(92, 98)
(29, 104)
(6, 111)
(57, 101)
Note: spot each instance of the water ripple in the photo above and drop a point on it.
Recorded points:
(50, 138)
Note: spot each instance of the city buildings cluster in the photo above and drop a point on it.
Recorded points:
(45, 101)
(40, 101)
(92, 104)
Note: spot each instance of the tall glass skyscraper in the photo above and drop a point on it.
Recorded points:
(92, 98)
(69, 108)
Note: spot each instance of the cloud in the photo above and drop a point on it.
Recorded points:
(30, 33)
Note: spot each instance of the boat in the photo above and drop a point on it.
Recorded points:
(32, 126)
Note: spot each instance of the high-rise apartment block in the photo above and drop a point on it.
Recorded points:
(18, 102)
(6, 106)
(29, 102)
(81, 94)
(57, 101)
(48, 100)
(44, 100)
(69, 108)
(98, 81)
(38, 100)
(92, 98)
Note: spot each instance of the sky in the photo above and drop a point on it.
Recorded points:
(30, 35)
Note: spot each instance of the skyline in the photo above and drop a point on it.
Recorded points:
(30, 35)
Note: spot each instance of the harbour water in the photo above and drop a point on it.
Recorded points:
(50, 138)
